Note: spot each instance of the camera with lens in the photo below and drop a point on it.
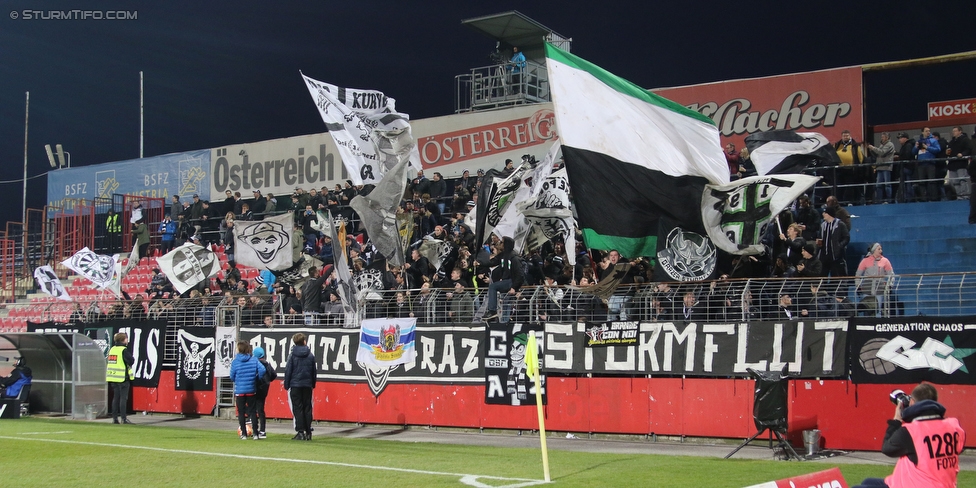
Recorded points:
(898, 396)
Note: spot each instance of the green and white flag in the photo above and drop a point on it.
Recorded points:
(637, 162)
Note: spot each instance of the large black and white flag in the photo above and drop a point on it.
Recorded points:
(372, 137)
(378, 213)
(334, 227)
(265, 244)
(188, 265)
(532, 183)
(496, 194)
(48, 282)
(549, 215)
(736, 214)
(786, 151)
(97, 268)
(298, 272)
(195, 360)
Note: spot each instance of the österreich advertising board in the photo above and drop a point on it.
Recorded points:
(449, 145)
(828, 102)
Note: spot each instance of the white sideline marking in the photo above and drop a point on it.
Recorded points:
(46, 433)
(467, 479)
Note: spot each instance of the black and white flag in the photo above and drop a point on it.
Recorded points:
(195, 360)
(334, 227)
(786, 151)
(532, 183)
(436, 251)
(736, 214)
(549, 215)
(265, 244)
(48, 282)
(378, 213)
(372, 137)
(188, 265)
(496, 194)
(98, 269)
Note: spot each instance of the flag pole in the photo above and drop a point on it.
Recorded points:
(532, 367)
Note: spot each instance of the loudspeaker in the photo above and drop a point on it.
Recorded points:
(770, 410)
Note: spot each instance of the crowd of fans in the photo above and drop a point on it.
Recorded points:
(807, 246)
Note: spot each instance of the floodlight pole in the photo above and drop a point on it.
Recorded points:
(141, 114)
(23, 217)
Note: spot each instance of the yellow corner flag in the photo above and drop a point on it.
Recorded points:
(532, 369)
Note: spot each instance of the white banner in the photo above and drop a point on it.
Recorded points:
(99, 269)
(48, 282)
(188, 265)
(225, 341)
(371, 135)
(264, 244)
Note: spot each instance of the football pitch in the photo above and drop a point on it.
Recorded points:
(52, 452)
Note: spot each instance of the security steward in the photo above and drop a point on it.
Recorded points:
(113, 232)
(119, 375)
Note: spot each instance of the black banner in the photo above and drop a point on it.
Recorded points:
(195, 358)
(145, 342)
(914, 349)
(506, 382)
(801, 348)
(600, 334)
(448, 355)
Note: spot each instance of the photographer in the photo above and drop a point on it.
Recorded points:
(926, 442)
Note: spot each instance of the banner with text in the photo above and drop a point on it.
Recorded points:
(804, 348)
(195, 359)
(914, 349)
(448, 355)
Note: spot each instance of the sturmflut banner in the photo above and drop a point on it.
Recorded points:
(801, 348)
(914, 349)
(195, 359)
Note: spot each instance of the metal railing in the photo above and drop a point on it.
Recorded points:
(857, 184)
(501, 85)
(943, 294)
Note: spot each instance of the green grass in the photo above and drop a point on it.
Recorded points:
(47, 452)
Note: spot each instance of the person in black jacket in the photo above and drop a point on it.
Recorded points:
(907, 164)
(261, 395)
(510, 277)
(312, 295)
(300, 376)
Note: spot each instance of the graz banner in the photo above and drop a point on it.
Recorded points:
(801, 348)
(195, 358)
(506, 380)
(448, 355)
(145, 343)
(914, 349)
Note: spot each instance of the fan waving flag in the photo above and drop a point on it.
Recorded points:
(372, 137)
(637, 162)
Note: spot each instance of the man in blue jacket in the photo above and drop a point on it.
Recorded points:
(925, 151)
(245, 372)
(299, 381)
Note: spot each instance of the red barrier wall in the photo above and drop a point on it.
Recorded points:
(849, 416)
